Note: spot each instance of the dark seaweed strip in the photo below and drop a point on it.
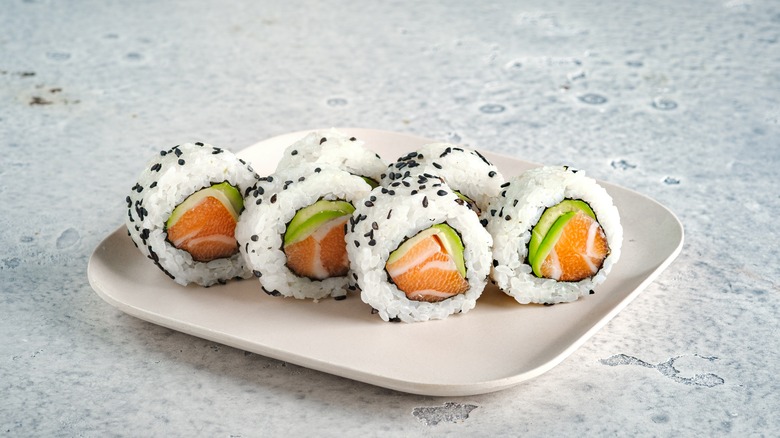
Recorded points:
(389, 213)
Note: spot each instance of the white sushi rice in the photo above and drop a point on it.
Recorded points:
(462, 168)
(512, 215)
(336, 149)
(168, 179)
(271, 205)
(392, 214)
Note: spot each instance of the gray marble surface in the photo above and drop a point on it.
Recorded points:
(679, 101)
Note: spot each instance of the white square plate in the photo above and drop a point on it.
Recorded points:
(497, 345)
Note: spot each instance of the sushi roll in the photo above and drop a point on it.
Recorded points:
(417, 251)
(475, 179)
(557, 235)
(336, 149)
(183, 211)
(292, 231)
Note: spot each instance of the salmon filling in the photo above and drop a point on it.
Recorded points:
(322, 254)
(206, 230)
(424, 269)
(579, 251)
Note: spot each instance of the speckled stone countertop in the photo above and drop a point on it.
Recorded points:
(678, 101)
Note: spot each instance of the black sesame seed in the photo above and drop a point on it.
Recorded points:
(254, 237)
(340, 297)
(199, 144)
(441, 192)
(413, 192)
(323, 140)
(374, 225)
(181, 162)
(258, 274)
(163, 153)
(357, 245)
(425, 202)
(389, 213)
(368, 204)
(371, 242)
(294, 152)
(352, 139)
(437, 165)
(495, 263)
(317, 170)
(156, 167)
(153, 185)
(259, 201)
(492, 173)
(484, 222)
(177, 151)
(506, 184)
(129, 201)
(273, 198)
(508, 217)
(514, 204)
(391, 192)
(269, 179)
(301, 179)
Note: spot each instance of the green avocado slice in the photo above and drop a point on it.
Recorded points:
(228, 195)
(308, 219)
(370, 181)
(448, 237)
(548, 218)
(550, 240)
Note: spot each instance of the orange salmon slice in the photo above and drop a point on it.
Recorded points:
(427, 272)
(206, 231)
(321, 255)
(579, 252)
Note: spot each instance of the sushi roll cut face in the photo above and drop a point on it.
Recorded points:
(567, 244)
(557, 235)
(417, 252)
(429, 266)
(291, 233)
(183, 211)
(204, 224)
(314, 240)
